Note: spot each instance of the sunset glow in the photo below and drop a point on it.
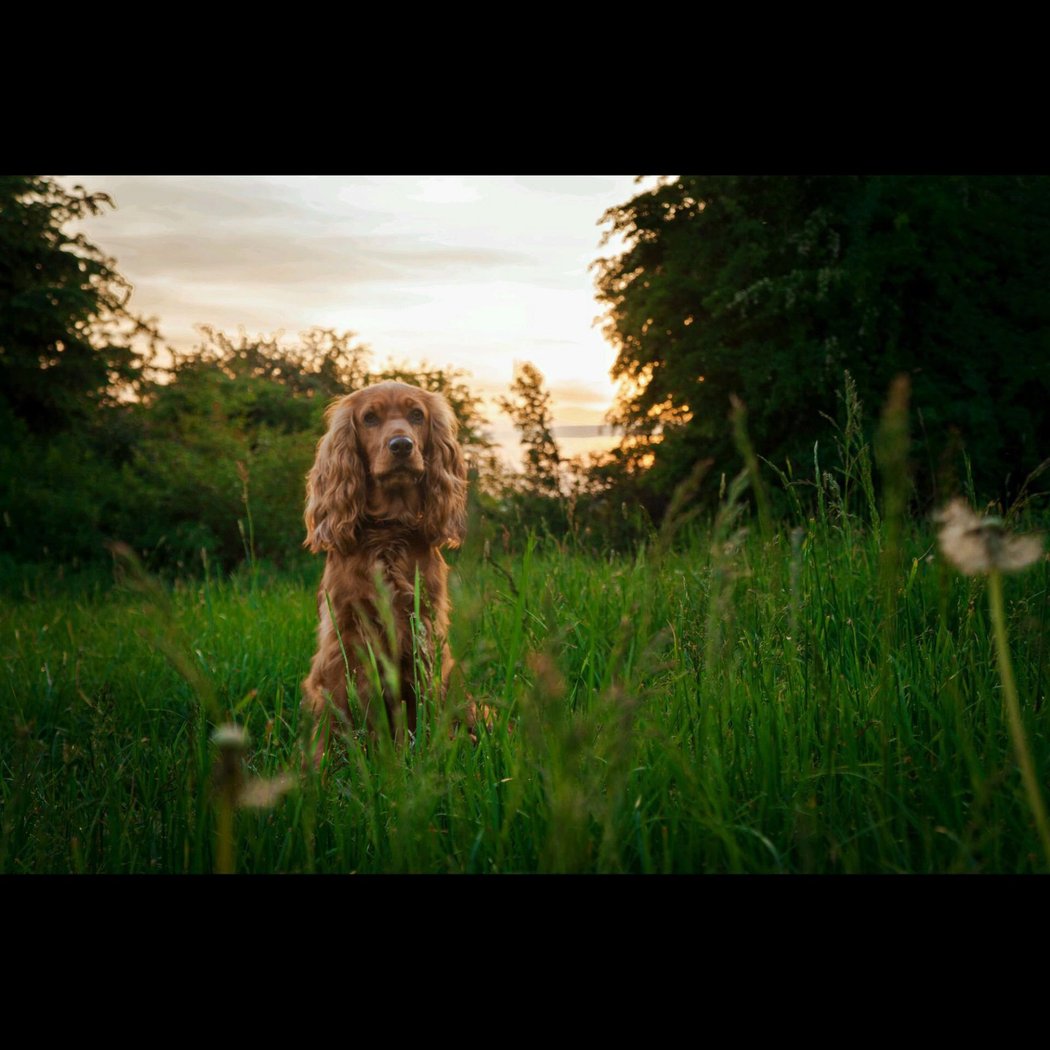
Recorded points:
(473, 272)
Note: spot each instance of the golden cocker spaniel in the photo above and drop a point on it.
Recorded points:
(388, 489)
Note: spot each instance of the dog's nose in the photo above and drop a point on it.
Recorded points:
(400, 446)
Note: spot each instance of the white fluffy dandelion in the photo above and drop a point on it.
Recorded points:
(978, 545)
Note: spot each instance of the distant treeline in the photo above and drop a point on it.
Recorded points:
(766, 289)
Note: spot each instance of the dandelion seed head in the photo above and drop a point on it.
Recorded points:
(262, 793)
(230, 736)
(978, 545)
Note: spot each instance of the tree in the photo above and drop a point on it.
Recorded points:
(65, 331)
(772, 287)
(529, 408)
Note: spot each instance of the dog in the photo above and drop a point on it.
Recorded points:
(388, 489)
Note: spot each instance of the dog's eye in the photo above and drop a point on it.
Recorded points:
(371, 419)
(415, 416)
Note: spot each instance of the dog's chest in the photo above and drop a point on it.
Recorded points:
(396, 557)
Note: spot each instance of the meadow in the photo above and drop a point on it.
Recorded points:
(734, 696)
(797, 669)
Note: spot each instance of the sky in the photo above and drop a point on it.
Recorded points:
(474, 272)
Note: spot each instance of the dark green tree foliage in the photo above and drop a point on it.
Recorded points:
(68, 372)
(65, 333)
(323, 363)
(233, 428)
(771, 287)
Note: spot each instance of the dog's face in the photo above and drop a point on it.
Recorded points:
(390, 453)
(392, 422)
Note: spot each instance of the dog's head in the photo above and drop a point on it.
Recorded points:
(390, 453)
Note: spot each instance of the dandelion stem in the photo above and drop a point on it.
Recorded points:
(1013, 709)
(224, 863)
(231, 741)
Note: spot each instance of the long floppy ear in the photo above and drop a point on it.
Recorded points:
(336, 484)
(445, 509)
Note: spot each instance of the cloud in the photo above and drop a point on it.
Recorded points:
(446, 189)
(467, 271)
(262, 258)
(598, 186)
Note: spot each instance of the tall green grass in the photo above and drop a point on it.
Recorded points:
(718, 702)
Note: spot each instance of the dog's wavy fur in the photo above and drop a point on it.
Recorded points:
(387, 490)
